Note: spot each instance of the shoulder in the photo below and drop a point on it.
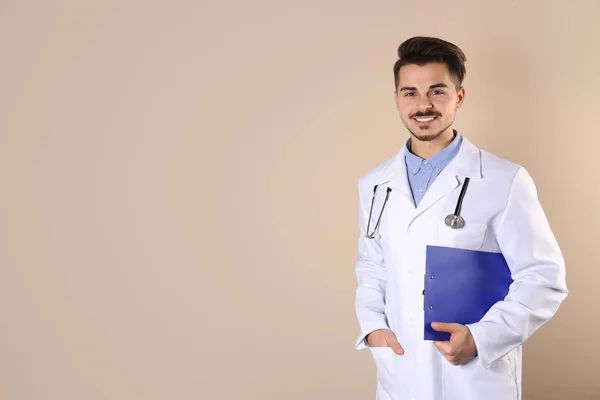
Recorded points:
(506, 175)
(378, 173)
(497, 169)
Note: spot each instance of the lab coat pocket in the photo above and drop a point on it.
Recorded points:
(495, 382)
(468, 237)
(384, 362)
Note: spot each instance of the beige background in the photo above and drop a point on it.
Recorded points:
(179, 203)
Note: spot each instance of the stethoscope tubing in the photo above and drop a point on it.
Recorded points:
(450, 217)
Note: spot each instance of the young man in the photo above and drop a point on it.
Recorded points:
(502, 214)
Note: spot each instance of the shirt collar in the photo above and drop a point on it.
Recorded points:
(414, 163)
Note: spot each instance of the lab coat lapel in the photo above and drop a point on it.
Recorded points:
(444, 184)
(467, 163)
(395, 177)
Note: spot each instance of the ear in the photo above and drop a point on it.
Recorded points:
(461, 97)
(396, 98)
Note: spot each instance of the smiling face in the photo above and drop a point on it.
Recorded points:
(427, 100)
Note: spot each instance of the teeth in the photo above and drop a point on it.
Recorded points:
(424, 119)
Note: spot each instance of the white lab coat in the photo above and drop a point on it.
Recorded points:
(502, 214)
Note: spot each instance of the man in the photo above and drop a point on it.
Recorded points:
(502, 214)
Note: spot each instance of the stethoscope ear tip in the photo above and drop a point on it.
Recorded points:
(376, 230)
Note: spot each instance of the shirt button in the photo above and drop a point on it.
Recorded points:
(425, 163)
(420, 190)
(437, 170)
(415, 170)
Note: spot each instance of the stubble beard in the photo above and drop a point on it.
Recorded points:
(428, 137)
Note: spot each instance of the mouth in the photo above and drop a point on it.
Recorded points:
(424, 120)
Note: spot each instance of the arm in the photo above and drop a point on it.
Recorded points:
(538, 270)
(371, 276)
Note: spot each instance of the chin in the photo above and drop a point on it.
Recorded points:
(425, 135)
(426, 138)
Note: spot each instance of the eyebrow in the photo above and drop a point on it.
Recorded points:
(437, 85)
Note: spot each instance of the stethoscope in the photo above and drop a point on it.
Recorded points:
(376, 230)
(454, 221)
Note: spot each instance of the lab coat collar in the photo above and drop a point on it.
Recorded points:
(467, 163)
(394, 174)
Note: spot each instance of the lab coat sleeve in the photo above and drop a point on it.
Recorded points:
(371, 276)
(538, 271)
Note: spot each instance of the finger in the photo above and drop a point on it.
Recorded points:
(443, 347)
(446, 327)
(395, 345)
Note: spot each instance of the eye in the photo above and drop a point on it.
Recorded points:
(437, 92)
(408, 94)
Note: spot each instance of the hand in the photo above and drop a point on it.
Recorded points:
(384, 338)
(461, 346)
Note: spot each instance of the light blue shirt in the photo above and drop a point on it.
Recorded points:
(422, 173)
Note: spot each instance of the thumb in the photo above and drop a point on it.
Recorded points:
(445, 327)
(394, 345)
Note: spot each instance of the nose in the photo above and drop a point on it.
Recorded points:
(424, 103)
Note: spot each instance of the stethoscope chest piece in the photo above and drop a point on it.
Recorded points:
(455, 221)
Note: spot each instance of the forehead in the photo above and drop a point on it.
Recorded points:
(424, 75)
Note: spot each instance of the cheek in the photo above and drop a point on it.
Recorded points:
(404, 111)
(446, 107)
(406, 116)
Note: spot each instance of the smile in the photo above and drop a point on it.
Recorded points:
(424, 119)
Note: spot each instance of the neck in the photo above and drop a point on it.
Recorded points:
(427, 149)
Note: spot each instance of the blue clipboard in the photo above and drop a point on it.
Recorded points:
(461, 286)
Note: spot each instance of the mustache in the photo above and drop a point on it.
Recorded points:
(426, 114)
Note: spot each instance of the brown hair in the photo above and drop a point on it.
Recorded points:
(421, 50)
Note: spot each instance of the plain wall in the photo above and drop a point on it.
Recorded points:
(179, 186)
